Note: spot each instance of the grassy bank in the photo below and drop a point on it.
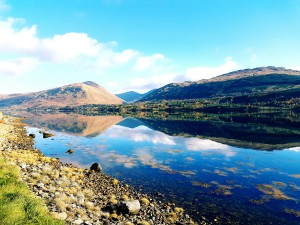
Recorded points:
(18, 205)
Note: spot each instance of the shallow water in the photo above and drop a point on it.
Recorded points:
(213, 168)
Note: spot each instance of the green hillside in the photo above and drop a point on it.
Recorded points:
(258, 81)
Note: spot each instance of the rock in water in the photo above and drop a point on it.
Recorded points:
(47, 135)
(132, 207)
(96, 167)
(70, 151)
(32, 135)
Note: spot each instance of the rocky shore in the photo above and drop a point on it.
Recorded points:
(80, 196)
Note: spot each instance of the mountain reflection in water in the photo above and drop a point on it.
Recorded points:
(75, 124)
(272, 131)
(218, 166)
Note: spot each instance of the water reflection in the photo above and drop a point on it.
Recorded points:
(271, 131)
(202, 164)
(75, 124)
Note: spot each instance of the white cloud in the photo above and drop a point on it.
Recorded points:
(199, 73)
(58, 48)
(125, 56)
(205, 145)
(68, 46)
(155, 81)
(23, 41)
(4, 6)
(296, 68)
(17, 41)
(140, 134)
(17, 66)
(143, 84)
(147, 62)
(296, 149)
(197, 144)
(109, 58)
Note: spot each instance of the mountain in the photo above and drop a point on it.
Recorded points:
(70, 95)
(238, 83)
(132, 96)
(3, 96)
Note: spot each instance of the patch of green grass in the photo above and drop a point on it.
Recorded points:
(18, 205)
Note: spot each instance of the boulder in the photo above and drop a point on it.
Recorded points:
(70, 151)
(132, 207)
(96, 167)
(47, 135)
(32, 135)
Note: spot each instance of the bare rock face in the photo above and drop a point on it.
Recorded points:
(132, 207)
(96, 167)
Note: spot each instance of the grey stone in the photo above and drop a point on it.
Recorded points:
(132, 207)
(45, 195)
(40, 185)
(60, 216)
(78, 221)
(23, 165)
(81, 200)
(96, 167)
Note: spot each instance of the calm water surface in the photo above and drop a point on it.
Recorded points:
(227, 169)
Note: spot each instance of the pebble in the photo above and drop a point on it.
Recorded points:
(60, 216)
(78, 221)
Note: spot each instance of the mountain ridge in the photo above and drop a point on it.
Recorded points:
(247, 81)
(68, 95)
(258, 71)
(132, 96)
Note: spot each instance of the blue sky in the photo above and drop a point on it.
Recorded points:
(139, 44)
